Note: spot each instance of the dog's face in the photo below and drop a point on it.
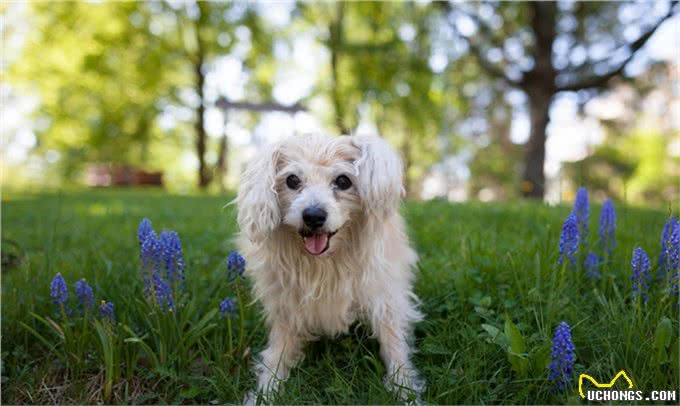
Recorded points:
(318, 193)
(316, 188)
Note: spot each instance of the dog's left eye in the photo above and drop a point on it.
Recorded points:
(343, 182)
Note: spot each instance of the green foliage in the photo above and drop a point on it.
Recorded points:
(385, 75)
(516, 349)
(99, 74)
(105, 72)
(662, 340)
(487, 279)
(496, 167)
(634, 166)
(110, 348)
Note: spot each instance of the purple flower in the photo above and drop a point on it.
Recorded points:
(227, 307)
(85, 295)
(235, 266)
(562, 358)
(106, 311)
(674, 284)
(150, 251)
(591, 264)
(163, 293)
(171, 256)
(607, 227)
(670, 249)
(144, 230)
(58, 290)
(673, 260)
(569, 240)
(581, 210)
(640, 277)
(162, 264)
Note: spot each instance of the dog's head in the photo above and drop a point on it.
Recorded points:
(316, 187)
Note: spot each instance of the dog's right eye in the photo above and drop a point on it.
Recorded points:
(293, 182)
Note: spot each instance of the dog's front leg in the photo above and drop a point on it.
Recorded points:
(393, 331)
(283, 351)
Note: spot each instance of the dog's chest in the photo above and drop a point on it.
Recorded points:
(327, 302)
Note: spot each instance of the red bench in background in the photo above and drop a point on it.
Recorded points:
(105, 175)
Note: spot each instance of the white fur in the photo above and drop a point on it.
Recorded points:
(367, 272)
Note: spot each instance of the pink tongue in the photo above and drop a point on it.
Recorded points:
(316, 243)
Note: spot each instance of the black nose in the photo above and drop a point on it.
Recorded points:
(314, 217)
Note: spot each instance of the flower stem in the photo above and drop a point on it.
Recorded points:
(229, 337)
(240, 316)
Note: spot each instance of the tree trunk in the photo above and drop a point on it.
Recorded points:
(203, 175)
(335, 40)
(533, 180)
(221, 166)
(407, 158)
(539, 86)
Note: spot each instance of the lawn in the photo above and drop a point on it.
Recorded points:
(488, 278)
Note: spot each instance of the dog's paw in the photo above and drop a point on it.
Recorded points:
(406, 384)
(250, 399)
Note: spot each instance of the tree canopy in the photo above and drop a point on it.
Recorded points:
(129, 83)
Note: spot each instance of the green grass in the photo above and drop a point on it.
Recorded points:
(480, 265)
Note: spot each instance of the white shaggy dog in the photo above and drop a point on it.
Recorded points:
(325, 246)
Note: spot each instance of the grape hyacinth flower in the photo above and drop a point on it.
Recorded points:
(106, 311)
(85, 295)
(562, 358)
(673, 259)
(668, 259)
(173, 262)
(591, 264)
(162, 264)
(235, 266)
(581, 210)
(163, 293)
(673, 249)
(227, 308)
(569, 240)
(149, 254)
(144, 230)
(607, 228)
(58, 290)
(640, 277)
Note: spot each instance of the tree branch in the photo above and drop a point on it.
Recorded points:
(475, 49)
(489, 67)
(225, 104)
(357, 47)
(600, 81)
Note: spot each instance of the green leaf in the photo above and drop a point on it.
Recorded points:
(200, 329)
(145, 347)
(540, 359)
(517, 343)
(491, 330)
(496, 335)
(431, 347)
(516, 350)
(190, 393)
(51, 324)
(662, 339)
(40, 338)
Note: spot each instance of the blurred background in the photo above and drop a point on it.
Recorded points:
(484, 100)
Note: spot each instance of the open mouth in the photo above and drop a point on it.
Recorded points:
(316, 243)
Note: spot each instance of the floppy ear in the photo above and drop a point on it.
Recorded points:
(379, 171)
(257, 202)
